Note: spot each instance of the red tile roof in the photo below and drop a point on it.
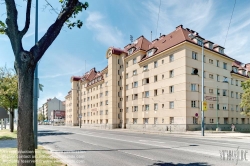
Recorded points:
(174, 38)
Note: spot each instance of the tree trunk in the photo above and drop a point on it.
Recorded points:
(11, 120)
(25, 135)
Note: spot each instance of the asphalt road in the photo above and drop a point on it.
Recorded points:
(90, 147)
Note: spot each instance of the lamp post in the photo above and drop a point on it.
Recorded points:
(35, 97)
(191, 36)
(79, 114)
(217, 109)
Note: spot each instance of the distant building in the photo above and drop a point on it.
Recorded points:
(50, 105)
(156, 85)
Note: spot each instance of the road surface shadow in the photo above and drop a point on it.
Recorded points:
(47, 143)
(179, 164)
(51, 133)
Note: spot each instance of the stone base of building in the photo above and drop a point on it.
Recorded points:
(223, 127)
(167, 127)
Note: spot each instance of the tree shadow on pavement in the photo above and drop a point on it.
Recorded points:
(52, 133)
(179, 164)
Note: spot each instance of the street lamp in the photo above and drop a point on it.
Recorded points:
(191, 36)
(79, 114)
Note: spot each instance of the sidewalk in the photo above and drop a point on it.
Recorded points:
(208, 133)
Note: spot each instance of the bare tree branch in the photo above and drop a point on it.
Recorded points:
(12, 27)
(27, 22)
(43, 44)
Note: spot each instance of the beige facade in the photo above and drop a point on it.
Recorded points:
(157, 86)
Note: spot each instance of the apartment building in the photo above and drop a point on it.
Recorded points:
(157, 86)
(49, 106)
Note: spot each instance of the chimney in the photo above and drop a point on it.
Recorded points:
(179, 27)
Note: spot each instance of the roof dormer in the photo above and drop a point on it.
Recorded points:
(151, 52)
(219, 49)
(235, 69)
(131, 50)
(208, 44)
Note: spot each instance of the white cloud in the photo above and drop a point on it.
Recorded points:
(103, 32)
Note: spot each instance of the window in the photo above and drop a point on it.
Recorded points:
(162, 106)
(211, 120)
(193, 87)
(155, 106)
(135, 84)
(221, 50)
(194, 55)
(134, 72)
(162, 61)
(211, 106)
(135, 96)
(232, 81)
(106, 93)
(171, 105)
(171, 58)
(155, 120)
(210, 45)
(155, 64)
(225, 79)
(199, 42)
(224, 107)
(211, 91)
(145, 68)
(241, 95)
(126, 87)
(195, 120)
(107, 102)
(218, 78)
(155, 92)
(218, 106)
(162, 76)
(211, 76)
(130, 51)
(236, 82)
(171, 120)
(218, 63)
(134, 61)
(236, 95)
(107, 83)
(126, 109)
(232, 94)
(218, 91)
(162, 91)
(171, 89)
(101, 112)
(224, 92)
(193, 104)
(101, 103)
(171, 73)
(146, 94)
(211, 61)
(135, 108)
(146, 107)
(146, 81)
(145, 120)
(204, 58)
(100, 94)
(134, 120)
(126, 98)
(155, 78)
(150, 52)
(224, 65)
(236, 120)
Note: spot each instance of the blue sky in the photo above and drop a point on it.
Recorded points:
(111, 22)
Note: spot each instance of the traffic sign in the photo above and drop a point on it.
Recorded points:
(204, 108)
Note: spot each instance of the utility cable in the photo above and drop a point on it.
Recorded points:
(230, 23)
